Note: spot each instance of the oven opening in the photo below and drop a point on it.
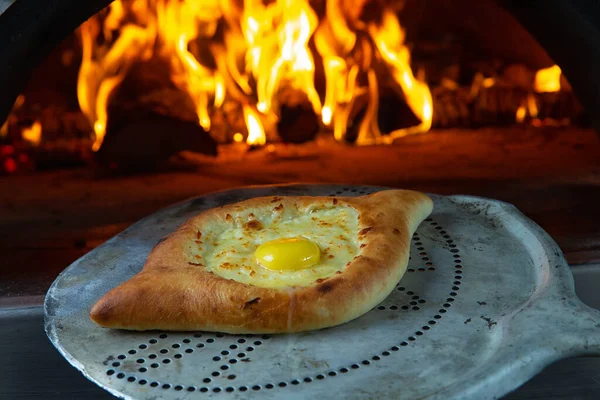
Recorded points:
(144, 81)
(150, 102)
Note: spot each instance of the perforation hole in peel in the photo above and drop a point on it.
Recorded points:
(222, 361)
(357, 191)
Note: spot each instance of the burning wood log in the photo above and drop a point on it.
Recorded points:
(509, 94)
(150, 120)
(569, 31)
(143, 140)
(298, 122)
(368, 36)
(148, 85)
(394, 113)
(451, 108)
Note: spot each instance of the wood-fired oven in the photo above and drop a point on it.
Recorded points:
(111, 110)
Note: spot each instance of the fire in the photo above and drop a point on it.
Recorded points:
(521, 113)
(261, 55)
(335, 41)
(546, 80)
(256, 133)
(389, 38)
(278, 53)
(33, 134)
(180, 24)
(238, 137)
(103, 67)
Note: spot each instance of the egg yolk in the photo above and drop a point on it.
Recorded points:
(288, 254)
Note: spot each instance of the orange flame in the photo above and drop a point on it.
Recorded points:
(277, 38)
(389, 38)
(547, 80)
(33, 133)
(521, 113)
(180, 23)
(251, 52)
(103, 67)
(238, 137)
(256, 133)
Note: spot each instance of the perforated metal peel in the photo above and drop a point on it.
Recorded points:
(487, 302)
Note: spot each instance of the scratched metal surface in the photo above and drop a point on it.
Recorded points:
(487, 302)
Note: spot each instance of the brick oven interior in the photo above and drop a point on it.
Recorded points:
(495, 132)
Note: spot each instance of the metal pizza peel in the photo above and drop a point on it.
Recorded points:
(487, 302)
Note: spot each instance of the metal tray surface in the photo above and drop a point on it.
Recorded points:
(487, 302)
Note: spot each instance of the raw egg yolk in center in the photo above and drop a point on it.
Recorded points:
(288, 254)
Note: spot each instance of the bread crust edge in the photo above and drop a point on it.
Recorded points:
(170, 294)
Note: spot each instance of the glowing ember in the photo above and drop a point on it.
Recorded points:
(33, 134)
(238, 137)
(254, 53)
(10, 165)
(547, 80)
(488, 82)
(521, 113)
(6, 150)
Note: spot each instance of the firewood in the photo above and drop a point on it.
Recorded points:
(141, 140)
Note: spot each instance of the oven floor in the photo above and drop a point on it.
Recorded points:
(32, 369)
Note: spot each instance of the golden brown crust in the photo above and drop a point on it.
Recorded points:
(173, 293)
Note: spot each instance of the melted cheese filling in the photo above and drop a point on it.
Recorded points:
(231, 252)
